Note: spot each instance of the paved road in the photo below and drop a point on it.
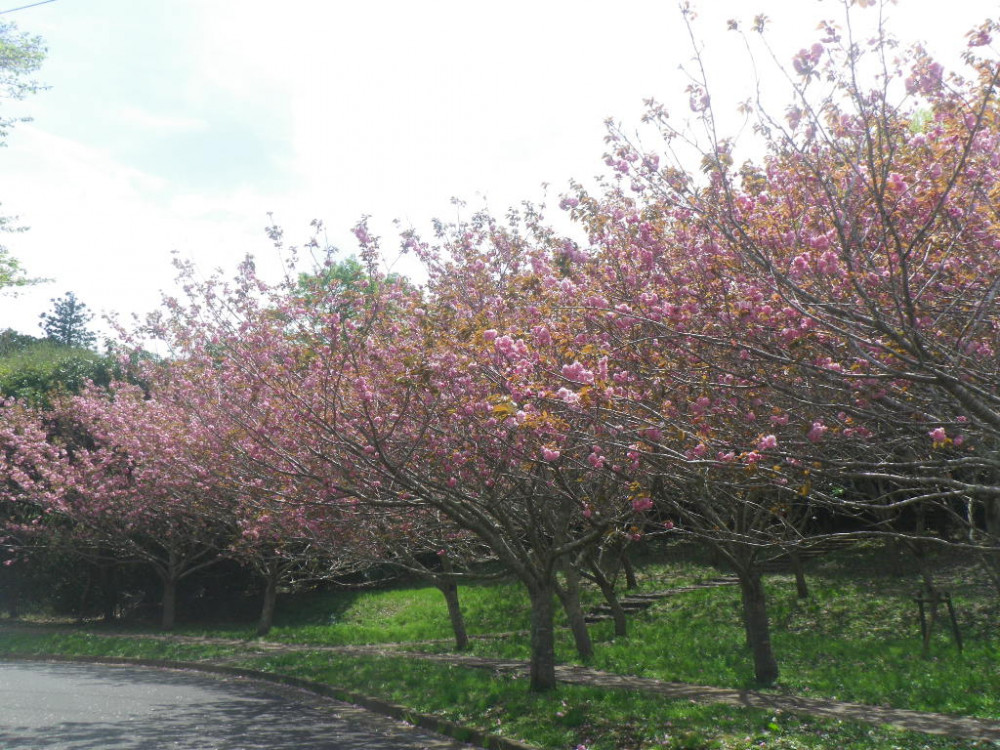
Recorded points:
(82, 706)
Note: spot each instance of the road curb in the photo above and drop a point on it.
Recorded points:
(393, 710)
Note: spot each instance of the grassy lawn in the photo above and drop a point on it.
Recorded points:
(856, 638)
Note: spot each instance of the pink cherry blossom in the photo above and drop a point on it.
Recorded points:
(767, 442)
(578, 373)
(816, 432)
(642, 504)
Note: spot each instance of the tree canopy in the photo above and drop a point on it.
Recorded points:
(21, 55)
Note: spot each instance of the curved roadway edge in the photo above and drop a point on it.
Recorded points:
(424, 721)
(906, 719)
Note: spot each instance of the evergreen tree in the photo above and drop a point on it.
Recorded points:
(67, 323)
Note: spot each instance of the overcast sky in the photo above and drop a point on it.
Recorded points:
(177, 125)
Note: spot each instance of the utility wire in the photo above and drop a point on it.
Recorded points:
(23, 7)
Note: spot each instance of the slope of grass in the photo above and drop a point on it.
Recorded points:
(596, 718)
(856, 638)
(397, 615)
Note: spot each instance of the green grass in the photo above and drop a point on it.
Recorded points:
(338, 618)
(40, 642)
(852, 640)
(869, 653)
(856, 638)
(582, 715)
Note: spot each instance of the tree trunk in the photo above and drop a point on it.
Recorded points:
(990, 563)
(85, 596)
(630, 581)
(929, 594)
(991, 520)
(169, 603)
(801, 587)
(611, 597)
(12, 599)
(266, 620)
(449, 589)
(758, 629)
(569, 595)
(931, 597)
(991, 559)
(109, 591)
(543, 647)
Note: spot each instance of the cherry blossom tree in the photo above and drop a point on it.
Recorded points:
(859, 258)
(821, 318)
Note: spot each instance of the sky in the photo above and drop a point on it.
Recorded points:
(178, 126)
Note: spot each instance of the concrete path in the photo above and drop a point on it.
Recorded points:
(101, 707)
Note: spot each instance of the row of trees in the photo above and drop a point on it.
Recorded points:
(749, 355)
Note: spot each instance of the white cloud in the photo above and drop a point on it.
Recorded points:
(105, 230)
(158, 124)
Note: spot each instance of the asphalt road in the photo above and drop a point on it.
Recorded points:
(48, 706)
